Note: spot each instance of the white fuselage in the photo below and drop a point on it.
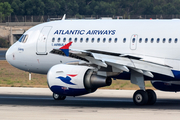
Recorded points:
(34, 56)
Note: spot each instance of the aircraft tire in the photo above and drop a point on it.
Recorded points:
(151, 97)
(140, 97)
(58, 97)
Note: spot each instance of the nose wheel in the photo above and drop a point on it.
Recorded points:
(142, 97)
(58, 97)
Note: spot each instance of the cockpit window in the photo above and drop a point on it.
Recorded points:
(23, 38)
(20, 39)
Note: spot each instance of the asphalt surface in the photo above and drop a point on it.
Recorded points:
(2, 54)
(38, 104)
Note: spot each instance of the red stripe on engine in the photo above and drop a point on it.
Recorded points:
(72, 75)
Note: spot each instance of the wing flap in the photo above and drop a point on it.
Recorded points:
(142, 67)
(153, 67)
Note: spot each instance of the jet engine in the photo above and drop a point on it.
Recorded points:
(74, 80)
(171, 86)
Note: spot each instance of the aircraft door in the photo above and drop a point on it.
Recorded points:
(42, 41)
(133, 42)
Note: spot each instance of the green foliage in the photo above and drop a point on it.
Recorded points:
(89, 7)
(5, 10)
(18, 7)
(34, 7)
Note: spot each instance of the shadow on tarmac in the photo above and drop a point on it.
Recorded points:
(85, 101)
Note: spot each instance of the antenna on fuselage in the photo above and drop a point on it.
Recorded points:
(64, 17)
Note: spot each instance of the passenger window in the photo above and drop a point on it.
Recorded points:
(59, 39)
(92, 40)
(87, 39)
(64, 40)
(81, 40)
(152, 40)
(133, 40)
(98, 40)
(170, 40)
(124, 40)
(75, 40)
(53, 39)
(115, 40)
(176, 40)
(104, 40)
(164, 40)
(158, 40)
(146, 40)
(140, 40)
(70, 39)
(110, 40)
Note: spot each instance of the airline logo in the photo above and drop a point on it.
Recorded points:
(65, 48)
(67, 79)
(84, 32)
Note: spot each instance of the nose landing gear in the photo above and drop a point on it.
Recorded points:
(58, 97)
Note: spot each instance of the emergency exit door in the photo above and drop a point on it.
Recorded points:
(133, 42)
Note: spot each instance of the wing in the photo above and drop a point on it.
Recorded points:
(118, 62)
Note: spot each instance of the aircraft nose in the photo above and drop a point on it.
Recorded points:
(10, 54)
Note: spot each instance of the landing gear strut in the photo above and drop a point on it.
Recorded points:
(58, 97)
(142, 96)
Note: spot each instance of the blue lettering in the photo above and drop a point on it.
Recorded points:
(67, 32)
(105, 32)
(100, 32)
(72, 32)
(89, 32)
(113, 32)
(20, 49)
(62, 32)
(95, 32)
(82, 32)
(58, 44)
(56, 32)
(77, 32)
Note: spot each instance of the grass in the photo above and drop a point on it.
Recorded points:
(13, 77)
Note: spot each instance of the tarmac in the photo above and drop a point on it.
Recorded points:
(38, 104)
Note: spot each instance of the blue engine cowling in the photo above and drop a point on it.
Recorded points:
(74, 80)
(171, 86)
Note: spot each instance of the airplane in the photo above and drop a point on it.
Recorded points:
(80, 56)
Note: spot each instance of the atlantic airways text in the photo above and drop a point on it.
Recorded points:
(84, 32)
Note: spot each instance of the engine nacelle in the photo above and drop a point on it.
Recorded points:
(74, 80)
(171, 86)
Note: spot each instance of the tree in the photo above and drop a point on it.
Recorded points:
(5, 10)
(51, 7)
(72, 7)
(34, 7)
(94, 7)
(18, 7)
